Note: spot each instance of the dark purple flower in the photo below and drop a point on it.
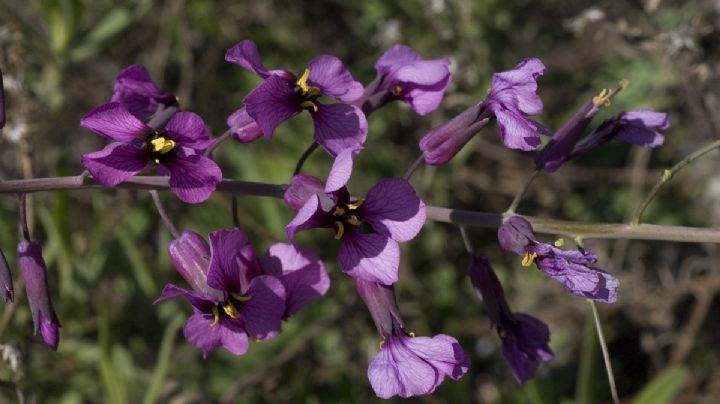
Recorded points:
(511, 99)
(571, 268)
(524, 338)
(407, 77)
(407, 365)
(235, 295)
(6, 284)
(34, 273)
(177, 149)
(283, 95)
(369, 228)
(135, 91)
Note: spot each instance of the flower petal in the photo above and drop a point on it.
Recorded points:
(190, 255)
(395, 55)
(201, 331)
(188, 129)
(243, 128)
(201, 301)
(302, 273)
(396, 370)
(245, 54)
(339, 127)
(115, 163)
(371, 257)
(271, 103)
(333, 79)
(517, 88)
(310, 216)
(226, 266)
(443, 352)
(516, 131)
(341, 169)
(393, 209)
(135, 91)
(301, 188)
(193, 178)
(115, 123)
(264, 311)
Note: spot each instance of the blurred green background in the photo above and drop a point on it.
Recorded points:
(106, 249)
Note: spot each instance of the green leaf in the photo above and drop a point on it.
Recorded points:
(663, 387)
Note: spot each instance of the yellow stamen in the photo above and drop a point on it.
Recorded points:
(230, 310)
(353, 220)
(339, 211)
(307, 90)
(381, 344)
(559, 242)
(528, 259)
(606, 94)
(411, 334)
(216, 316)
(309, 105)
(355, 205)
(340, 230)
(397, 89)
(240, 298)
(162, 145)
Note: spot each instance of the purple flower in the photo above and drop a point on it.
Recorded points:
(135, 91)
(407, 365)
(34, 273)
(235, 295)
(177, 149)
(369, 228)
(283, 95)
(243, 128)
(524, 338)
(571, 268)
(6, 284)
(511, 99)
(407, 77)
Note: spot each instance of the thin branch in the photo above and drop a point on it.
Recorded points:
(518, 196)
(466, 240)
(304, 156)
(234, 208)
(217, 141)
(163, 214)
(667, 176)
(22, 205)
(606, 354)
(413, 167)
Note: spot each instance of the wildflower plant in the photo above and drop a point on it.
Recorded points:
(236, 296)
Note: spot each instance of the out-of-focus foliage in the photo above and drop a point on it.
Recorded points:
(106, 249)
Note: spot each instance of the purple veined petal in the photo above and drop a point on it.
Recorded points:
(396, 54)
(424, 72)
(516, 234)
(226, 269)
(581, 280)
(135, 91)
(489, 289)
(639, 136)
(192, 178)
(245, 54)
(443, 142)
(272, 103)
(393, 209)
(339, 127)
(371, 257)
(425, 99)
(516, 131)
(190, 255)
(517, 88)
(200, 332)
(302, 273)
(310, 216)
(443, 352)
(341, 169)
(396, 370)
(189, 130)
(301, 188)
(525, 345)
(115, 163)
(243, 128)
(382, 305)
(264, 311)
(333, 79)
(560, 147)
(200, 300)
(115, 123)
(50, 332)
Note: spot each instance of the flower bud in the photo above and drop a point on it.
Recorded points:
(34, 273)
(6, 284)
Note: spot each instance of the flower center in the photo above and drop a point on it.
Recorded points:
(346, 215)
(528, 259)
(229, 307)
(397, 89)
(161, 144)
(606, 94)
(307, 92)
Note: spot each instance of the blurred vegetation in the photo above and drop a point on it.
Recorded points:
(106, 249)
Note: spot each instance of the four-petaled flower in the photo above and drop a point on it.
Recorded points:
(177, 149)
(524, 337)
(511, 99)
(136, 92)
(407, 365)
(571, 268)
(283, 95)
(234, 295)
(369, 228)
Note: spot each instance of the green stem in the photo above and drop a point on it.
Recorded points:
(518, 196)
(667, 176)
(605, 353)
(163, 361)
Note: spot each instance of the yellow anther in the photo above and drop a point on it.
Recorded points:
(606, 94)
(559, 242)
(230, 310)
(411, 334)
(381, 344)
(339, 211)
(307, 90)
(216, 316)
(340, 230)
(397, 89)
(353, 220)
(528, 259)
(162, 145)
(307, 104)
(240, 298)
(355, 205)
